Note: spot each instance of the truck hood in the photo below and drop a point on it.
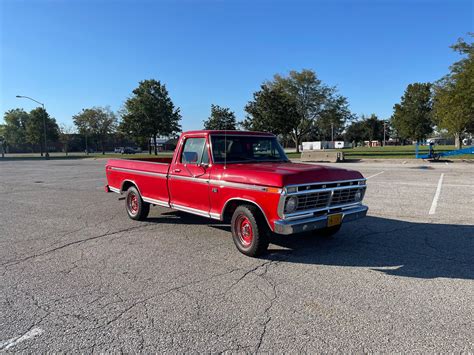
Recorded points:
(284, 173)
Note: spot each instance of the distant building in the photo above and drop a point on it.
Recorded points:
(164, 143)
(440, 141)
(372, 144)
(319, 145)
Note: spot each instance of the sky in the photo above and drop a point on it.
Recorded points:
(75, 54)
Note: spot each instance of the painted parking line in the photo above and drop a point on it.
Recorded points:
(371, 176)
(7, 344)
(434, 204)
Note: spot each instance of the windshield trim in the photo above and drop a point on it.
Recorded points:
(270, 136)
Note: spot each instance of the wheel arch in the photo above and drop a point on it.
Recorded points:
(127, 183)
(232, 203)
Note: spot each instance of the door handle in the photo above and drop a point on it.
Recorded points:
(177, 170)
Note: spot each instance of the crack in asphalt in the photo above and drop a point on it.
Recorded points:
(80, 241)
(272, 299)
(176, 288)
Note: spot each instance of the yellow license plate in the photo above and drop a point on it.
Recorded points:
(334, 219)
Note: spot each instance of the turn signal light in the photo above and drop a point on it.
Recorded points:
(273, 189)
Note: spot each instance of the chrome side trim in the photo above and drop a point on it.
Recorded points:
(247, 200)
(139, 172)
(222, 183)
(114, 189)
(255, 161)
(156, 202)
(188, 178)
(190, 210)
(142, 161)
(238, 185)
(215, 215)
(269, 135)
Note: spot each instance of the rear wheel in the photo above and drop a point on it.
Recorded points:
(136, 208)
(249, 230)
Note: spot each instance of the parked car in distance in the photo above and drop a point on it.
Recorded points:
(127, 150)
(118, 149)
(243, 178)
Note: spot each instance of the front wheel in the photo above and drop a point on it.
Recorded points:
(249, 230)
(136, 208)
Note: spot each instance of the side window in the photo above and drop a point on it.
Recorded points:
(192, 151)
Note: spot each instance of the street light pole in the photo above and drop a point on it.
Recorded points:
(46, 154)
(384, 125)
(2, 145)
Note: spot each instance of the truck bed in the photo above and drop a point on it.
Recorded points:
(149, 174)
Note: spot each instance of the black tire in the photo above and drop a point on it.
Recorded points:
(136, 208)
(248, 219)
(329, 232)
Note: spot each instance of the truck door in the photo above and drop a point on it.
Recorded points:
(189, 177)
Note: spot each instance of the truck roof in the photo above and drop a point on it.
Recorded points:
(231, 132)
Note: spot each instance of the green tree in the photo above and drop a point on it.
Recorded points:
(84, 122)
(366, 129)
(374, 128)
(333, 118)
(412, 117)
(96, 121)
(38, 118)
(315, 102)
(65, 136)
(454, 95)
(356, 132)
(273, 110)
(221, 118)
(149, 112)
(15, 127)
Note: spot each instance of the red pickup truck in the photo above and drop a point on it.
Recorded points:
(243, 178)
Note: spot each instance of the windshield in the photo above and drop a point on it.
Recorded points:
(246, 149)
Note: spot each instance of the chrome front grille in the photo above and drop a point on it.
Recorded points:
(322, 196)
(341, 197)
(313, 200)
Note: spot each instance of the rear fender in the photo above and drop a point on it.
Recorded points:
(126, 185)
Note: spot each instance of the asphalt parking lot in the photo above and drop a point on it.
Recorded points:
(78, 275)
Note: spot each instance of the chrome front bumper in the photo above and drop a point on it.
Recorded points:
(312, 223)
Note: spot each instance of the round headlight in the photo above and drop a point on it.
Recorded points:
(291, 204)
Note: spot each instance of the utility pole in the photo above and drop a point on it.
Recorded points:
(2, 145)
(46, 153)
(87, 148)
(332, 132)
(384, 124)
